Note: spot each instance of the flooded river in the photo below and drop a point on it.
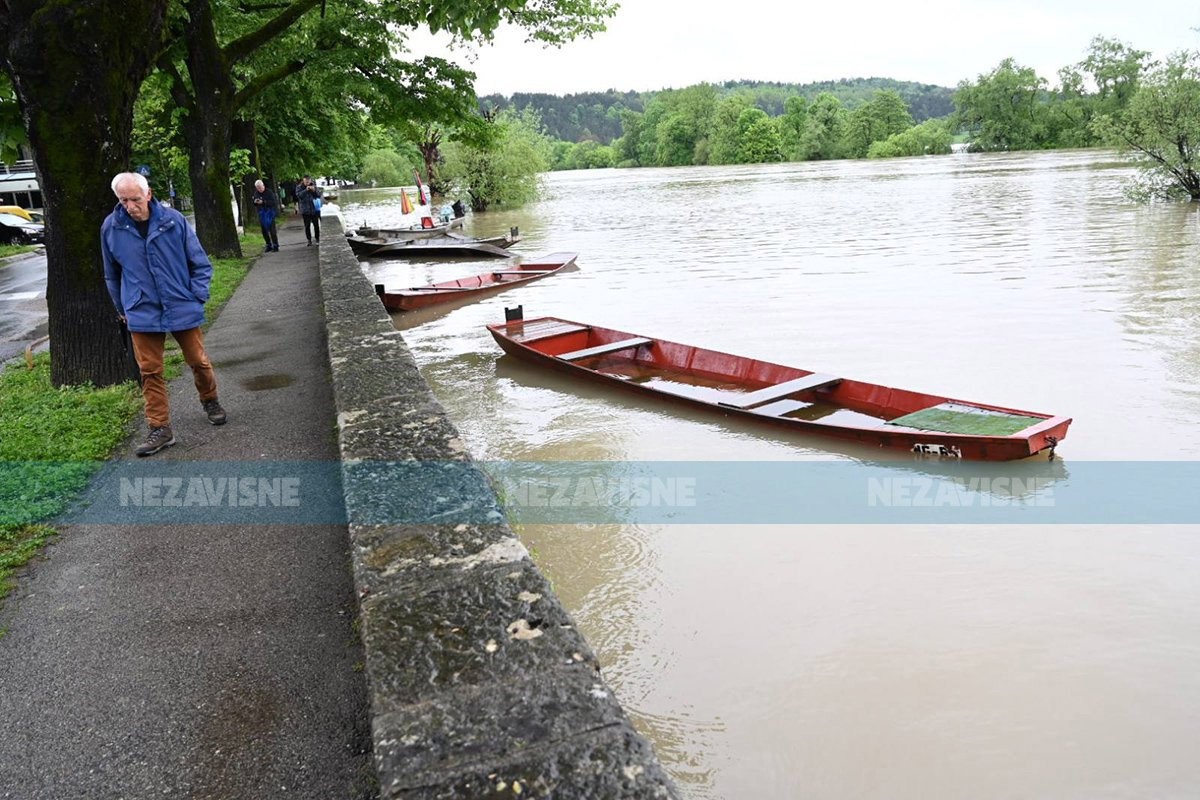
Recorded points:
(808, 655)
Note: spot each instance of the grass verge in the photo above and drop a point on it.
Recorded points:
(7, 250)
(55, 439)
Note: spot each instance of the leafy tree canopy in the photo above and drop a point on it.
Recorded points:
(1162, 127)
(506, 172)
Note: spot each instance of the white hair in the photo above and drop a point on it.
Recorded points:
(136, 177)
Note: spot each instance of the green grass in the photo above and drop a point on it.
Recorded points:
(7, 250)
(54, 440)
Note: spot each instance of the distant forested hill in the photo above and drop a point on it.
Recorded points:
(574, 117)
(596, 116)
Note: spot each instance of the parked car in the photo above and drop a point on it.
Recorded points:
(18, 230)
(20, 212)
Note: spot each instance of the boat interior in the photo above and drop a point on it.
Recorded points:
(758, 387)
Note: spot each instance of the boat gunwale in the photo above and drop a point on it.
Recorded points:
(446, 293)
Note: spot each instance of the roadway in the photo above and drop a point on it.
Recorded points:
(23, 312)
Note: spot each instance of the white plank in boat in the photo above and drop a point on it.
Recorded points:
(780, 390)
(601, 349)
(543, 329)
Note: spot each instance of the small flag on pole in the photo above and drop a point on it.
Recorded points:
(422, 196)
(406, 206)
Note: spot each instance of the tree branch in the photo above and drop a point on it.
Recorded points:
(179, 91)
(241, 48)
(253, 9)
(265, 80)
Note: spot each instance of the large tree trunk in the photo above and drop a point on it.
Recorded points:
(206, 129)
(77, 70)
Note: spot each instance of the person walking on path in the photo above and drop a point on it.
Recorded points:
(157, 276)
(268, 208)
(308, 198)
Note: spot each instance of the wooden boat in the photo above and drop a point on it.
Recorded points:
(453, 243)
(799, 399)
(484, 283)
(412, 232)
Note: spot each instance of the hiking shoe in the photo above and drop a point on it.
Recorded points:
(216, 414)
(159, 438)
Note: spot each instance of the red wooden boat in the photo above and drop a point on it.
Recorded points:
(797, 398)
(483, 283)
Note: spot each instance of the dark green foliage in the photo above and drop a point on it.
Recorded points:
(924, 100)
(12, 131)
(600, 115)
(591, 116)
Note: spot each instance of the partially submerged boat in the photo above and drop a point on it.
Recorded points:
(789, 396)
(452, 243)
(427, 230)
(483, 283)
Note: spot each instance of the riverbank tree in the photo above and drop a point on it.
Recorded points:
(223, 56)
(931, 138)
(882, 116)
(503, 172)
(1161, 126)
(76, 69)
(1003, 109)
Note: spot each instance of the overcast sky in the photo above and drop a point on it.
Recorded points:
(657, 44)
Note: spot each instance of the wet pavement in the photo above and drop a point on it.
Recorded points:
(23, 312)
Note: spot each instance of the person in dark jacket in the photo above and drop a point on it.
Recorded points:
(264, 201)
(308, 198)
(157, 276)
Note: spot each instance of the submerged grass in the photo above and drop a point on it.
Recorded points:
(55, 439)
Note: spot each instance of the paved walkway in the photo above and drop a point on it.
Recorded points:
(201, 660)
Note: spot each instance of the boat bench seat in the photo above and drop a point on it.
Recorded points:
(601, 349)
(780, 390)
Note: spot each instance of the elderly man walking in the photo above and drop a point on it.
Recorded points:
(157, 275)
(264, 201)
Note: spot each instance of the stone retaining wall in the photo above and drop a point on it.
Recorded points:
(480, 684)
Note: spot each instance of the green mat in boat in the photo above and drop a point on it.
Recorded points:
(955, 418)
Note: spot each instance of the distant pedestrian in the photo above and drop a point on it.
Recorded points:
(264, 201)
(158, 275)
(308, 198)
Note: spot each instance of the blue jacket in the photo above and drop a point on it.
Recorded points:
(159, 283)
(305, 197)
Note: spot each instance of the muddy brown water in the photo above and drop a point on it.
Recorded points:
(866, 660)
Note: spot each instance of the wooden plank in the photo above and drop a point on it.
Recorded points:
(780, 390)
(536, 330)
(601, 349)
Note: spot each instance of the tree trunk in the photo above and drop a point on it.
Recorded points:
(431, 154)
(206, 128)
(77, 71)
